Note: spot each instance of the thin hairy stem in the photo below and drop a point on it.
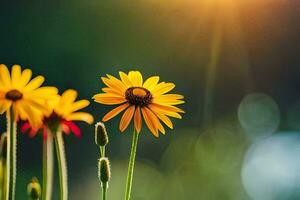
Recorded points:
(102, 152)
(104, 191)
(3, 178)
(131, 165)
(62, 165)
(11, 161)
(47, 166)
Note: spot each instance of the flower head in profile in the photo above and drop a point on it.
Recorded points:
(64, 110)
(140, 99)
(26, 97)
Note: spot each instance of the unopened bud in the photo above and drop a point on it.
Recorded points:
(104, 170)
(34, 189)
(101, 137)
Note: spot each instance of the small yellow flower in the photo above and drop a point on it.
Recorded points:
(138, 98)
(62, 113)
(27, 99)
(66, 107)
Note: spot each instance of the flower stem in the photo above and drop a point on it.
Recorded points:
(11, 161)
(102, 152)
(3, 177)
(47, 166)
(131, 165)
(3, 150)
(104, 191)
(103, 185)
(62, 165)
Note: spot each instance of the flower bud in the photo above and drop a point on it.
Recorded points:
(34, 189)
(101, 137)
(104, 170)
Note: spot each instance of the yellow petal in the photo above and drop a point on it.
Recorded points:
(160, 127)
(111, 114)
(125, 79)
(138, 120)
(166, 110)
(170, 99)
(15, 76)
(68, 96)
(162, 88)
(25, 77)
(34, 83)
(126, 118)
(164, 119)
(157, 122)
(108, 99)
(4, 106)
(79, 105)
(113, 84)
(136, 78)
(167, 101)
(168, 107)
(2, 94)
(151, 82)
(81, 116)
(113, 91)
(150, 121)
(39, 105)
(117, 82)
(42, 93)
(170, 96)
(33, 116)
(20, 110)
(5, 76)
(65, 102)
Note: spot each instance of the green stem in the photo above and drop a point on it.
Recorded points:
(103, 185)
(102, 152)
(62, 165)
(47, 166)
(3, 147)
(104, 191)
(11, 161)
(131, 165)
(2, 186)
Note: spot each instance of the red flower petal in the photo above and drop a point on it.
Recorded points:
(65, 128)
(33, 132)
(74, 128)
(25, 127)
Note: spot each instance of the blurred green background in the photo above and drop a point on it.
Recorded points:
(216, 51)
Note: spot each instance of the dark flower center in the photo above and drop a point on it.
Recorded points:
(138, 96)
(53, 121)
(13, 95)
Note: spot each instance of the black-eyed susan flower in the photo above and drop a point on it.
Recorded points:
(25, 96)
(63, 111)
(140, 99)
(21, 98)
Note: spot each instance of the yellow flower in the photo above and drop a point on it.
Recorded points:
(26, 98)
(62, 113)
(66, 107)
(138, 98)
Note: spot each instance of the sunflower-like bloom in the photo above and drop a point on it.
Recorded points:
(140, 99)
(26, 98)
(63, 112)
